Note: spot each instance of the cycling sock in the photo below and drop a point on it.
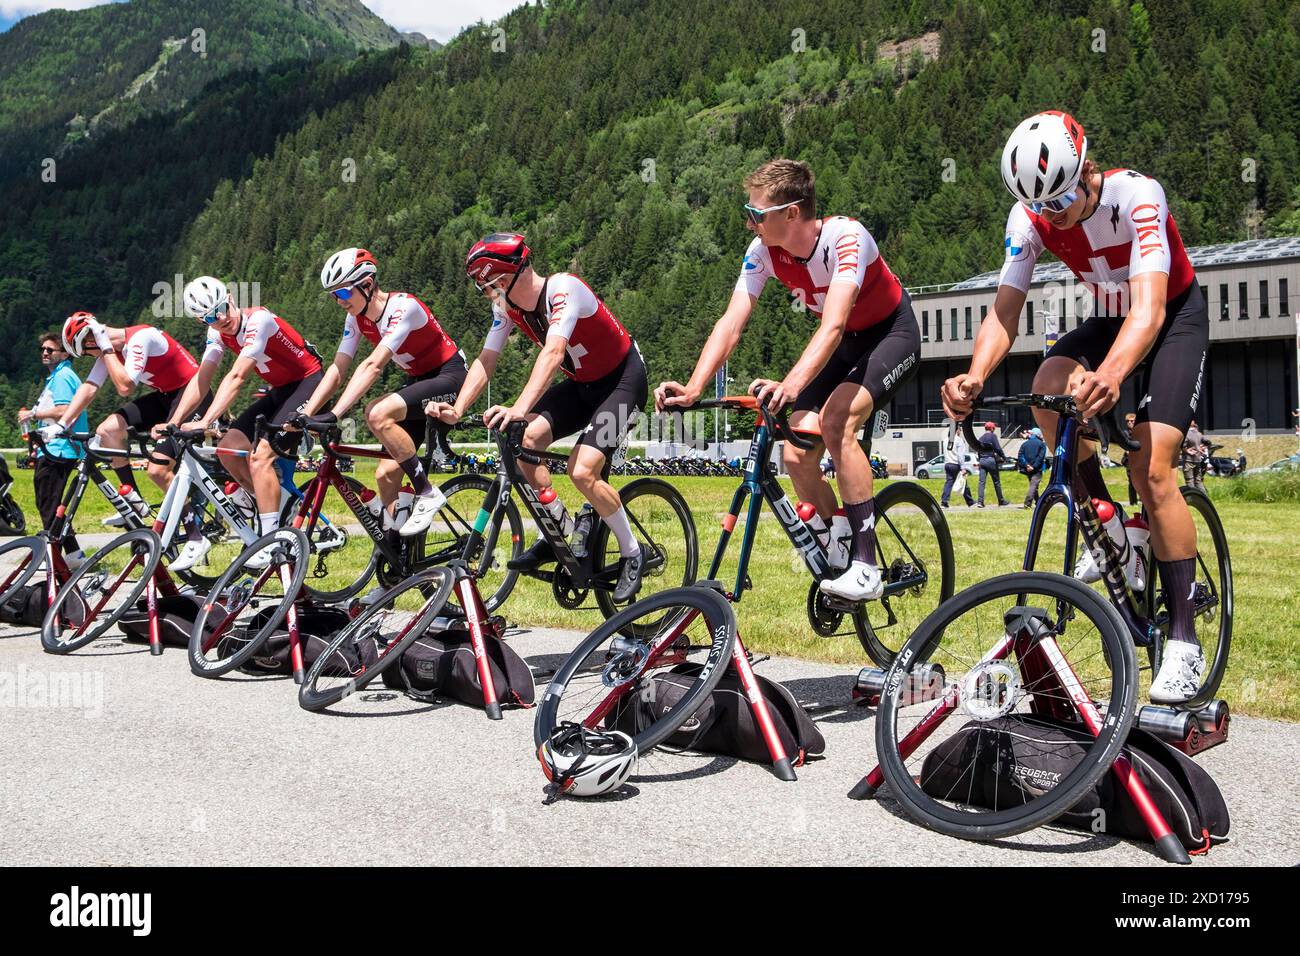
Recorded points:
(862, 519)
(1179, 579)
(622, 528)
(268, 521)
(414, 469)
(1090, 471)
(191, 522)
(126, 476)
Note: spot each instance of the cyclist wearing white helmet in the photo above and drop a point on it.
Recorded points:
(1114, 231)
(265, 344)
(403, 330)
(131, 356)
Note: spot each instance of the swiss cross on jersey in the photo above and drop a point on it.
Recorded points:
(597, 341)
(278, 351)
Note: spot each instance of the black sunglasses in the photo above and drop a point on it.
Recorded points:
(46, 348)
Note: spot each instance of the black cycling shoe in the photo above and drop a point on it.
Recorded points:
(540, 553)
(629, 577)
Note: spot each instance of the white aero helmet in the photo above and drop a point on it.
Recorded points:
(1043, 160)
(203, 296)
(586, 763)
(346, 267)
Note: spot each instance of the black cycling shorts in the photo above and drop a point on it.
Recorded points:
(1173, 370)
(602, 410)
(279, 404)
(880, 359)
(155, 408)
(441, 385)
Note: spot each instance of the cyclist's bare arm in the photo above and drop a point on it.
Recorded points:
(996, 336)
(229, 389)
(480, 372)
(81, 399)
(117, 373)
(194, 392)
(367, 374)
(329, 383)
(548, 363)
(1097, 391)
(721, 343)
(840, 299)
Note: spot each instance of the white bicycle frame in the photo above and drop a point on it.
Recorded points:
(190, 475)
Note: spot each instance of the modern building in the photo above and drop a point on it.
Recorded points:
(1253, 290)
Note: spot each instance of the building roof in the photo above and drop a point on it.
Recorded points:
(1223, 254)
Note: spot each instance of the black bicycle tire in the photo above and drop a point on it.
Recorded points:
(515, 523)
(144, 535)
(912, 493)
(199, 665)
(1116, 724)
(721, 619)
(12, 515)
(311, 700)
(36, 545)
(630, 492)
(338, 596)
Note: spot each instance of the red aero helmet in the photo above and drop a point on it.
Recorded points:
(76, 329)
(500, 254)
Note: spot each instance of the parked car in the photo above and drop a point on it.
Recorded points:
(934, 467)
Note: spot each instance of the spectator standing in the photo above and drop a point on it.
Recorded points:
(1193, 457)
(1030, 459)
(58, 459)
(991, 458)
(954, 460)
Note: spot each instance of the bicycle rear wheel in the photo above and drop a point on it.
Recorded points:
(972, 690)
(1212, 599)
(344, 557)
(376, 639)
(247, 605)
(19, 560)
(609, 680)
(665, 529)
(99, 592)
(467, 500)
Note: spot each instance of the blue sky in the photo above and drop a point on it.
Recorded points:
(440, 20)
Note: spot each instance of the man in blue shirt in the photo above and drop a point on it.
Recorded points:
(1033, 453)
(59, 458)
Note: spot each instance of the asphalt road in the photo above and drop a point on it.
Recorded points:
(146, 764)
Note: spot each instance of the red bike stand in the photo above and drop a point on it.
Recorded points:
(781, 765)
(155, 629)
(475, 615)
(1209, 729)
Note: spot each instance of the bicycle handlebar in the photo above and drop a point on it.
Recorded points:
(1111, 431)
(778, 421)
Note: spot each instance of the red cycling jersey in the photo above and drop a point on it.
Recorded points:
(597, 342)
(151, 357)
(279, 352)
(1129, 233)
(408, 329)
(844, 252)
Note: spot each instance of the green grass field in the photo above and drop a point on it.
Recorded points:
(1263, 678)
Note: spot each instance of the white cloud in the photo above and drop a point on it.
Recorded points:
(440, 19)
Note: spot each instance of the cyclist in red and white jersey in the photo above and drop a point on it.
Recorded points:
(403, 330)
(604, 387)
(269, 346)
(1115, 232)
(866, 345)
(130, 357)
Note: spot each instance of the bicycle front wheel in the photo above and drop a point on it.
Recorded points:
(665, 529)
(611, 679)
(344, 557)
(980, 734)
(99, 592)
(19, 560)
(376, 639)
(247, 604)
(467, 505)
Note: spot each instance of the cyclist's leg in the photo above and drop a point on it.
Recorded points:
(392, 419)
(804, 467)
(112, 434)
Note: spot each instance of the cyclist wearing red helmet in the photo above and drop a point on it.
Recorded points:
(131, 356)
(1114, 231)
(604, 387)
(866, 345)
(403, 330)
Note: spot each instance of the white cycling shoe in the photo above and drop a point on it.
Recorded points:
(423, 510)
(193, 552)
(261, 560)
(861, 582)
(1180, 673)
